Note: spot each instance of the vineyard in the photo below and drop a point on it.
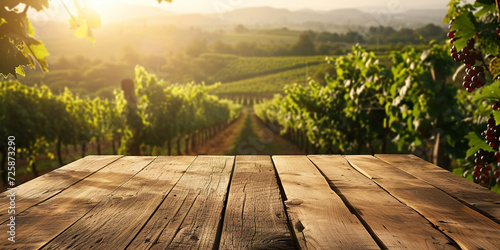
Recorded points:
(150, 119)
(369, 108)
(270, 83)
(402, 91)
(248, 67)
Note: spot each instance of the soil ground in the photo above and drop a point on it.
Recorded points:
(248, 136)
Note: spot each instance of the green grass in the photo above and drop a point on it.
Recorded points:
(273, 83)
(246, 67)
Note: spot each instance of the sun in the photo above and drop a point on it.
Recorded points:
(104, 8)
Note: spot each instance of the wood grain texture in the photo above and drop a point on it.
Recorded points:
(468, 228)
(48, 219)
(114, 222)
(319, 217)
(474, 195)
(255, 215)
(190, 215)
(37, 190)
(396, 225)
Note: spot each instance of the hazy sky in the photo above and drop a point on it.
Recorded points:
(205, 6)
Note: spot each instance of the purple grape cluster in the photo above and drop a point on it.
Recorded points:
(496, 106)
(491, 134)
(483, 171)
(451, 33)
(474, 75)
(474, 78)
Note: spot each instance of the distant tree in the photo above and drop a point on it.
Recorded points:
(432, 32)
(240, 29)
(222, 47)
(129, 54)
(245, 48)
(304, 46)
(196, 47)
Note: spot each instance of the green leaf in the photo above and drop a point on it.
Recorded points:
(452, 10)
(496, 188)
(486, 31)
(458, 171)
(464, 28)
(40, 53)
(476, 143)
(496, 115)
(495, 67)
(20, 70)
(489, 92)
(486, 6)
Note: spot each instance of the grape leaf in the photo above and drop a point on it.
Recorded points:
(20, 70)
(496, 116)
(486, 6)
(495, 67)
(486, 30)
(476, 143)
(452, 10)
(489, 92)
(464, 29)
(40, 52)
(496, 188)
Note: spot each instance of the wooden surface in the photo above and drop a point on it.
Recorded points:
(255, 217)
(252, 202)
(319, 217)
(396, 225)
(475, 196)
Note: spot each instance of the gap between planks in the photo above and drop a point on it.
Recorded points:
(453, 218)
(391, 223)
(475, 196)
(255, 215)
(119, 217)
(28, 194)
(74, 202)
(319, 217)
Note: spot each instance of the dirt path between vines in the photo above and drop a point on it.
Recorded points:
(247, 136)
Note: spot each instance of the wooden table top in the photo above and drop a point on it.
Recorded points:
(242, 202)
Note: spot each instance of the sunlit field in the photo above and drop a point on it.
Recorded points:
(205, 77)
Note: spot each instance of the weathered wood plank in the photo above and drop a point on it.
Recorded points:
(255, 215)
(395, 224)
(319, 217)
(37, 190)
(190, 216)
(474, 195)
(468, 228)
(45, 221)
(115, 221)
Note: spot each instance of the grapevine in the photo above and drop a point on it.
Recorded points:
(37, 118)
(474, 35)
(369, 108)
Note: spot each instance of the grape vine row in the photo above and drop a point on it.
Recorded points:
(39, 119)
